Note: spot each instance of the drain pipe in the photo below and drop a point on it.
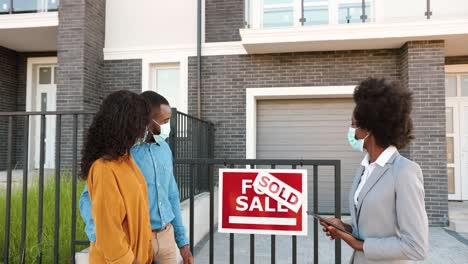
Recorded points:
(199, 43)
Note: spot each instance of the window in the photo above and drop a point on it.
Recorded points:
(45, 75)
(316, 12)
(451, 86)
(278, 13)
(166, 81)
(464, 85)
(4, 6)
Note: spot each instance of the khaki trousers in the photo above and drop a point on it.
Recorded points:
(164, 250)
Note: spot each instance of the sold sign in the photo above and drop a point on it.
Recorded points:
(278, 190)
(263, 201)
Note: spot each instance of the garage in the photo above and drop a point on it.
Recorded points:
(310, 129)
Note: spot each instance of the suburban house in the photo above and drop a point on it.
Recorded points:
(274, 76)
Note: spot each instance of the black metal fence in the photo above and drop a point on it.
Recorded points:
(195, 169)
(192, 138)
(38, 148)
(213, 164)
(36, 133)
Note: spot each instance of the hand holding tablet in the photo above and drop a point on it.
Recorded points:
(323, 220)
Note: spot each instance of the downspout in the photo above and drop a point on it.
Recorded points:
(199, 43)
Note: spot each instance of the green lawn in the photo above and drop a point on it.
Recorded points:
(32, 248)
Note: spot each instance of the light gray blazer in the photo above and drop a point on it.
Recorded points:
(390, 216)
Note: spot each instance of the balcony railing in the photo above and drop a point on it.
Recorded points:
(28, 6)
(293, 13)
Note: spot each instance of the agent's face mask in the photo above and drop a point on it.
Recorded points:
(356, 144)
(165, 131)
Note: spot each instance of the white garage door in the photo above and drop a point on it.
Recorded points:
(310, 129)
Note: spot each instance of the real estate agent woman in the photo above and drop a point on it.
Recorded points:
(116, 186)
(387, 196)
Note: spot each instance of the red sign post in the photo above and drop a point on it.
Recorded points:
(254, 201)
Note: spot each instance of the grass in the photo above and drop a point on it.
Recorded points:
(47, 245)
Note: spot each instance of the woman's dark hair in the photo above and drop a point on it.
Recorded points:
(154, 99)
(120, 121)
(384, 108)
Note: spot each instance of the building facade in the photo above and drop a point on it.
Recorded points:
(275, 76)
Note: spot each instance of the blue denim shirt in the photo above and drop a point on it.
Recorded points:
(155, 163)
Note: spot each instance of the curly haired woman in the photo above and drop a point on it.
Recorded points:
(387, 196)
(116, 186)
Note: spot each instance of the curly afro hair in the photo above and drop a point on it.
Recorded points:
(384, 108)
(120, 121)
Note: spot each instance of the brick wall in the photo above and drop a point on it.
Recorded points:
(456, 60)
(223, 19)
(80, 43)
(225, 78)
(424, 74)
(8, 85)
(122, 75)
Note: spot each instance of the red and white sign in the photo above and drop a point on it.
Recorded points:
(254, 201)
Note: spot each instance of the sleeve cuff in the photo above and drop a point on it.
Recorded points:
(182, 242)
(125, 259)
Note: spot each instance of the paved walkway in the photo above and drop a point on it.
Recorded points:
(445, 247)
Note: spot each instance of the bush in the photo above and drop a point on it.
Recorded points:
(32, 247)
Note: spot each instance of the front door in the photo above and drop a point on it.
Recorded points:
(456, 86)
(46, 92)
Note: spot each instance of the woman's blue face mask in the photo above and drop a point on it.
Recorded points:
(356, 144)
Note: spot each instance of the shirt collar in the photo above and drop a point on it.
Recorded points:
(382, 159)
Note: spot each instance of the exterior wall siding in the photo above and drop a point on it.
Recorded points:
(223, 18)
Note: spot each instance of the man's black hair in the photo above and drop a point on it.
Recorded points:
(154, 99)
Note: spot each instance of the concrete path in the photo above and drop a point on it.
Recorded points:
(446, 247)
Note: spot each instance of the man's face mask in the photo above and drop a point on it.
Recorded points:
(165, 131)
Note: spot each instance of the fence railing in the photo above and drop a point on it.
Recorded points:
(212, 164)
(191, 138)
(39, 136)
(28, 6)
(42, 149)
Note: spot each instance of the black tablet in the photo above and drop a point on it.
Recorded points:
(318, 217)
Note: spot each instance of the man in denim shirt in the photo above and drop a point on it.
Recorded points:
(154, 158)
